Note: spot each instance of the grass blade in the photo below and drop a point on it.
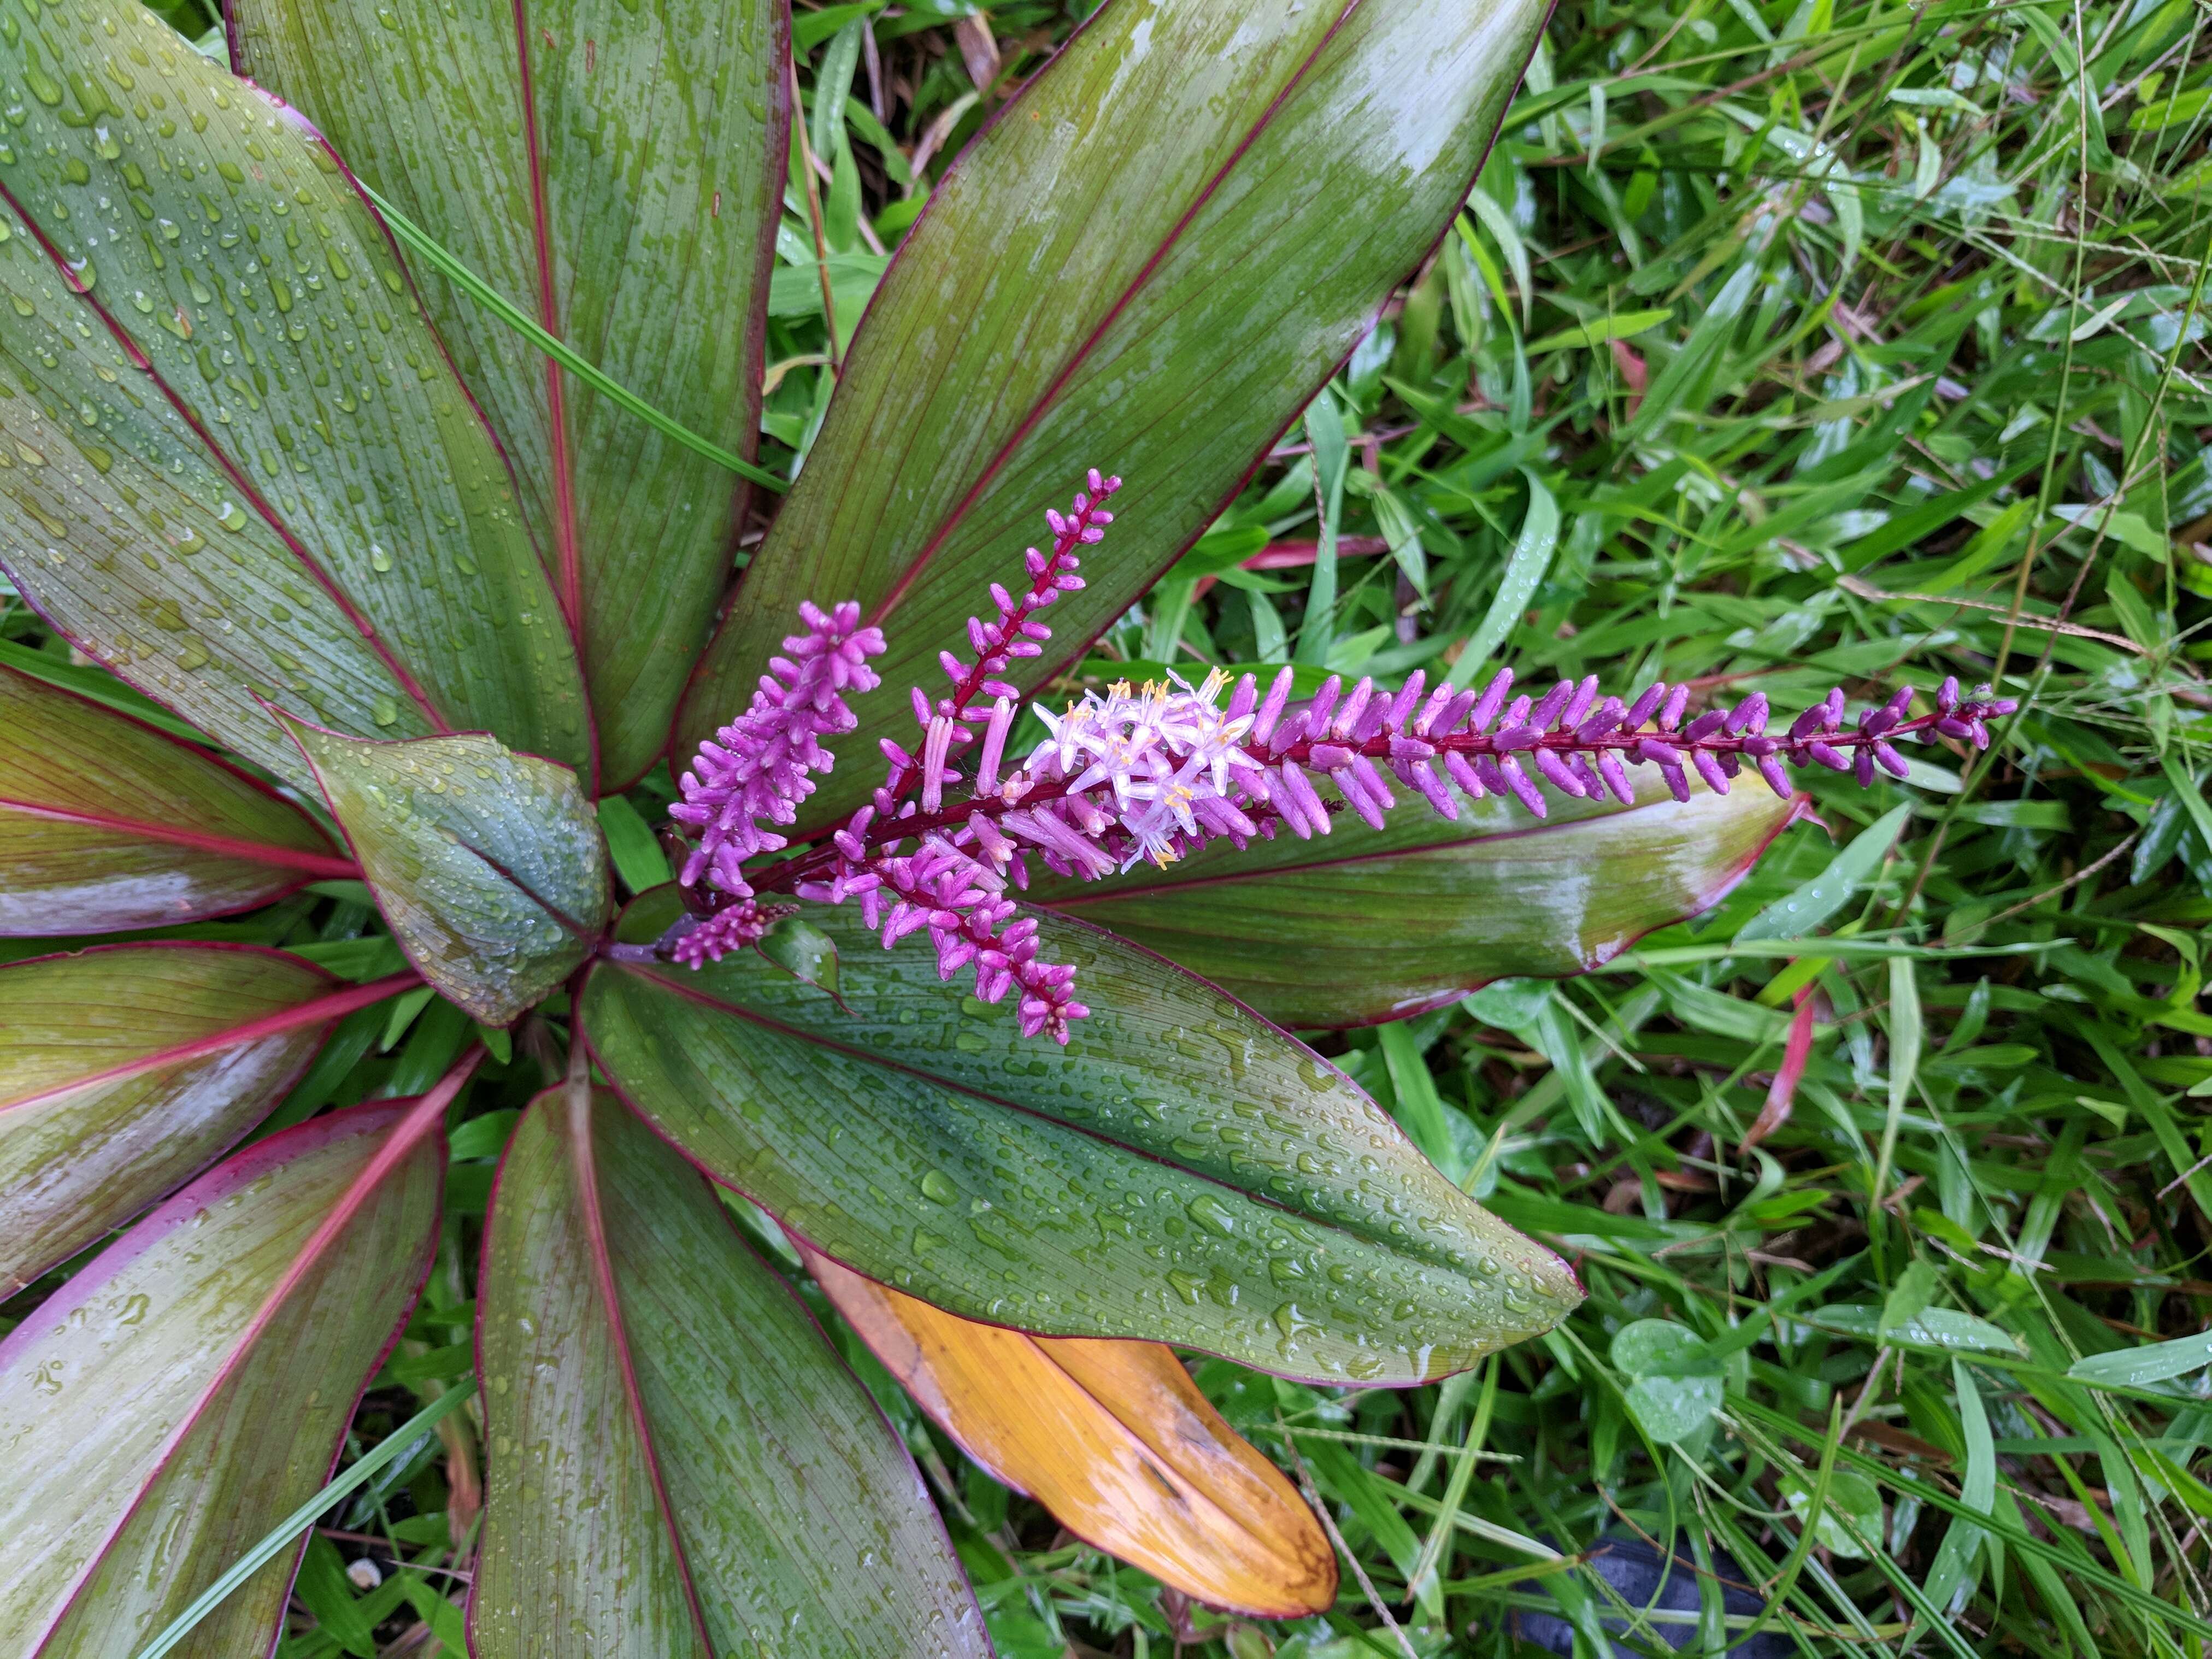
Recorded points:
(449, 265)
(401, 1441)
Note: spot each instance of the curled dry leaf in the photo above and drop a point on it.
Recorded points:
(1114, 1438)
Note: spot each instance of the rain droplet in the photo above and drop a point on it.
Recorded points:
(1211, 1212)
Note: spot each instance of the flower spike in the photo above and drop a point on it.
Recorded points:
(757, 767)
(1125, 775)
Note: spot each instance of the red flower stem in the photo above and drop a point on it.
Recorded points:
(1008, 627)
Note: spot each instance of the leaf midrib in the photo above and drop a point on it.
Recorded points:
(579, 1131)
(567, 549)
(1041, 406)
(359, 621)
(330, 1005)
(321, 864)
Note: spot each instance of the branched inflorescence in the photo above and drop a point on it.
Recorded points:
(1128, 776)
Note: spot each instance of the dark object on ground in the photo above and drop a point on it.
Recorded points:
(1645, 1578)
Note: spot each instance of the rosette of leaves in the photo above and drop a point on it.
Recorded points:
(386, 593)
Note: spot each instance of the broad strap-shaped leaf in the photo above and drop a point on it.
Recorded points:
(489, 865)
(1147, 265)
(106, 824)
(1182, 1171)
(182, 1395)
(618, 172)
(1115, 1439)
(237, 462)
(127, 1068)
(682, 1467)
(1372, 925)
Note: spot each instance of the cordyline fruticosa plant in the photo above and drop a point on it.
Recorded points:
(372, 540)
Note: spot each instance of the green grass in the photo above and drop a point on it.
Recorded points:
(1783, 345)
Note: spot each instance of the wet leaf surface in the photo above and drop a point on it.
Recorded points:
(126, 1068)
(106, 824)
(1147, 265)
(201, 1372)
(238, 463)
(1245, 1199)
(489, 865)
(626, 196)
(683, 1466)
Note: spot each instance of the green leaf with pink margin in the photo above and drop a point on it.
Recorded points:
(690, 1469)
(107, 824)
(127, 1068)
(202, 1373)
(489, 865)
(1369, 924)
(626, 196)
(1182, 1171)
(239, 465)
(1147, 264)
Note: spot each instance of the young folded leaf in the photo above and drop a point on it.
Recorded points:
(126, 1068)
(489, 865)
(202, 1373)
(106, 824)
(1115, 1439)
(682, 1465)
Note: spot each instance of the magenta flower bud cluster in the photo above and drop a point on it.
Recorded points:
(1014, 632)
(1125, 775)
(1128, 776)
(732, 927)
(757, 767)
